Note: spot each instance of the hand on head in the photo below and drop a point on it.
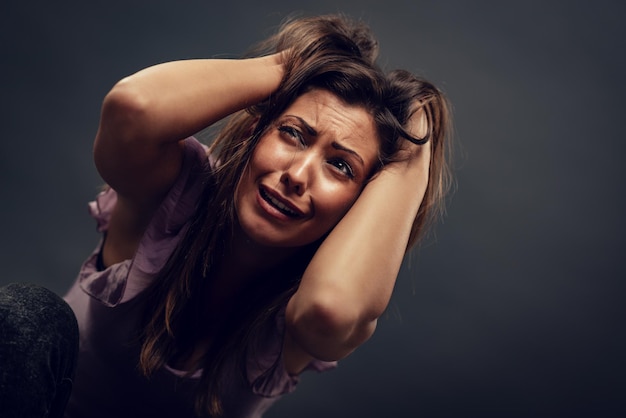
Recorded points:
(416, 147)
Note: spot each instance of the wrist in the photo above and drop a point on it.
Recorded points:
(273, 65)
(408, 167)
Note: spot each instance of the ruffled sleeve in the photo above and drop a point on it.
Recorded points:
(123, 281)
(266, 370)
(101, 208)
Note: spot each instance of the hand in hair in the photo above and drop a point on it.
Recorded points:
(410, 150)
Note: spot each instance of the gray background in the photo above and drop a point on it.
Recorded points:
(512, 310)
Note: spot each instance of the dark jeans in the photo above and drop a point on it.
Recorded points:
(38, 350)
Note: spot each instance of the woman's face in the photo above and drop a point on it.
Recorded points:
(306, 171)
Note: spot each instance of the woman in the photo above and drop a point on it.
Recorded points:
(223, 274)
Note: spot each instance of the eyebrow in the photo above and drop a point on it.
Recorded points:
(340, 147)
(311, 131)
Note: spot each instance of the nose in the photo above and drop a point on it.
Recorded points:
(299, 173)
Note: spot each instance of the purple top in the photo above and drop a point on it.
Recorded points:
(108, 305)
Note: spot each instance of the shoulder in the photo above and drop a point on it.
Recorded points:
(131, 271)
(130, 218)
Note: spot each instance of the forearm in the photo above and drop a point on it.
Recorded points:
(145, 116)
(173, 100)
(349, 281)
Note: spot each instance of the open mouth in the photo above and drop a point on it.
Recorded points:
(281, 207)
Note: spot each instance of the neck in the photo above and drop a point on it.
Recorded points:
(243, 264)
(246, 260)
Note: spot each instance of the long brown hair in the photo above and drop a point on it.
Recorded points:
(327, 52)
(408, 94)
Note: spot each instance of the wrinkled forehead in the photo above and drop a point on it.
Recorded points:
(346, 126)
(328, 114)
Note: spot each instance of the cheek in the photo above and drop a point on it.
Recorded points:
(264, 150)
(337, 203)
(262, 162)
(272, 154)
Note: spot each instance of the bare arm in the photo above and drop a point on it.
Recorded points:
(147, 113)
(349, 282)
(138, 148)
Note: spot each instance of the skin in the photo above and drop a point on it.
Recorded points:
(347, 285)
(314, 161)
(138, 148)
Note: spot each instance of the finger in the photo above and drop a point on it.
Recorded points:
(418, 141)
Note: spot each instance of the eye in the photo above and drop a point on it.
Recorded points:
(292, 132)
(343, 167)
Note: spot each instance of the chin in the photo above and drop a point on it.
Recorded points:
(272, 237)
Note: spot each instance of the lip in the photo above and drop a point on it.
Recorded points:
(266, 193)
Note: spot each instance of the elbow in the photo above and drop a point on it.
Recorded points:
(124, 113)
(328, 329)
(121, 134)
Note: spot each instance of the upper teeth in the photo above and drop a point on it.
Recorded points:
(280, 205)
